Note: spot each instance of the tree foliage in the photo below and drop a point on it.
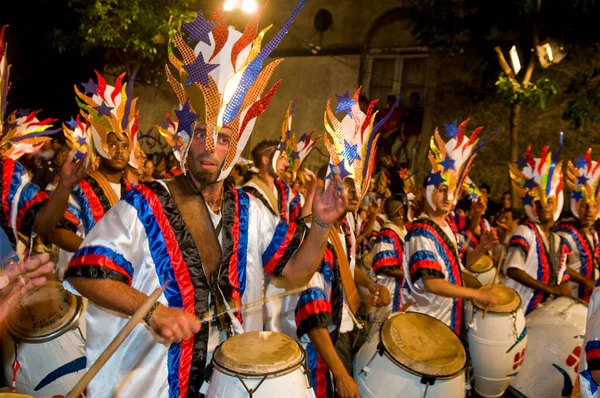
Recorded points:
(535, 94)
(134, 34)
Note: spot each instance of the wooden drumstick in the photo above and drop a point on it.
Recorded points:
(494, 282)
(137, 317)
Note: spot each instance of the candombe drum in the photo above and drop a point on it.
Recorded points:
(556, 330)
(259, 365)
(497, 342)
(44, 351)
(415, 356)
(483, 270)
(470, 281)
(14, 395)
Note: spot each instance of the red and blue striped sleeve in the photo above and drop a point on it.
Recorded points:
(100, 262)
(424, 263)
(519, 242)
(388, 253)
(286, 239)
(30, 202)
(312, 311)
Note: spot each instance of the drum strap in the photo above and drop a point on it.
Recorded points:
(347, 278)
(268, 191)
(106, 187)
(193, 209)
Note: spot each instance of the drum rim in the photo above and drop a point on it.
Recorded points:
(412, 371)
(281, 372)
(489, 310)
(482, 271)
(50, 336)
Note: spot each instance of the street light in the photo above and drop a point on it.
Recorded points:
(247, 6)
(514, 59)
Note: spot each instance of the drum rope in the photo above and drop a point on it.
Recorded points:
(515, 332)
(15, 368)
(251, 391)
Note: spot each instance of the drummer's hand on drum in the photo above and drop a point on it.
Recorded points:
(488, 296)
(345, 386)
(564, 289)
(19, 278)
(381, 295)
(174, 325)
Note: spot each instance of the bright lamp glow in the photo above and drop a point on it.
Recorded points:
(230, 5)
(514, 59)
(249, 6)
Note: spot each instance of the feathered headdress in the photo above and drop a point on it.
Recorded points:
(451, 161)
(583, 178)
(472, 189)
(539, 179)
(352, 142)
(222, 79)
(79, 134)
(168, 129)
(109, 109)
(296, 150)
(21, 132)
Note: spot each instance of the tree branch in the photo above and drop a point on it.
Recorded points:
(504, 65)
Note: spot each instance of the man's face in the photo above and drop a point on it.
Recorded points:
(545, 211)
(353, 202)
(440, 198)
(206, 166)
(119, 149)
(60, 157)
(587, 210)
(484, 191)
(506, 222)
(414, 101)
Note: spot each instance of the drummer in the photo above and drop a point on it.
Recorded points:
(388, 250)
(578, 234)
(432, 264)
(535, 264)
(325, 313)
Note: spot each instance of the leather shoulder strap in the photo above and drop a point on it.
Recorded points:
(195, 215)
(268, 191)
(347, 278)
(106, 187)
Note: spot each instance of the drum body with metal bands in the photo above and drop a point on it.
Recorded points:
(260, 365)
(415, 355)
(44, 350)
(483, 270)
(497, 342)
(471, 282)
(556, 331)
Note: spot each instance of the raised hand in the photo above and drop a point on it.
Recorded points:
(73, 171)
(330, 204)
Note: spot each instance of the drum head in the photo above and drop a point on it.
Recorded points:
(423, 345)
(44, 314)
(14, 395)
(508, 300)
(470, 281)
(484, 264)
(258, 354)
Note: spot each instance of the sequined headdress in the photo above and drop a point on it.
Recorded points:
(109, 109)
(539, 179)
(168, 129)
(220, 83)
(296, 150)
(451, 161)
(21, 132)
(352, 142)
(79, 134)
(583, 179)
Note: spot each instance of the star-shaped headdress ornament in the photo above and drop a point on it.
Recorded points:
(220, 82)
(352, 142)
(79, 134)
(451, 161)
(109, 109)
(583, 179)
(168, 129)
(540, 179)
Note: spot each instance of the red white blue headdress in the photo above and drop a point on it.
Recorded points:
(583, 178)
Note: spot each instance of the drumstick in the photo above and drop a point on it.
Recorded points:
(137, 317)
(209, 316)
(494, 282)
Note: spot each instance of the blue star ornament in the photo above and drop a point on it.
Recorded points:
(23, 112)
(104, 109)
(527, 200)
(343, 171)
(72, 124)
(580, 162)
(198, 71)
(447, 163)
(199, 29)
(522, 162)
(90, 87)
(351, 152)
(435, 179)
(295, 155)
(451, 129)
(530, 184)
(281, 146)
(186, 119)
(577, 196)
(582, 180)
(82, 141)
(345, 103)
